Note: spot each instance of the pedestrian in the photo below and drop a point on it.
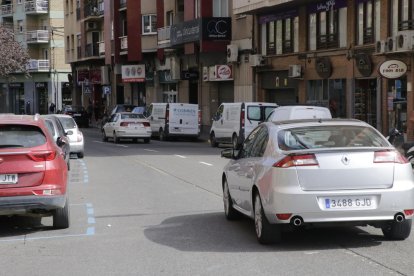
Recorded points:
(52, 108)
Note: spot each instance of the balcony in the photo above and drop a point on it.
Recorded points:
(38, 65)
(122, 4)
(7, 10)
(38, 36)
(36, 7)
(92, 50)
(101, 8)
(124, 43)
(101, 48)
(91, 10)
(164, 35)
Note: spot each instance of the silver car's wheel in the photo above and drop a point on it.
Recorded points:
(397, 230)
(265, 232)
(229, 211)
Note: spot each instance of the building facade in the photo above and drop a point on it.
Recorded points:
(38, 26)
(337, 54)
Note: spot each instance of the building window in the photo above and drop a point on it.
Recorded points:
(281, 33)
(20, 25)
(220, 8)
(324, 20)
(149, 24)
(330, 93)
(169, 18)
(368, 28)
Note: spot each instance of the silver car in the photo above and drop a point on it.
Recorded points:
(292, 174)
(77, 143)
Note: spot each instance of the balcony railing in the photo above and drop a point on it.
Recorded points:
(92, 50)
(38, 65)
(164, 35)
(101, 47)
(124, 43)
(91, 10)
(38, 36)
(37, 6)
(7, 9)
(122, 4)
(101, 8)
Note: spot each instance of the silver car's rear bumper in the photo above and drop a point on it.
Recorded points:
(308, 206)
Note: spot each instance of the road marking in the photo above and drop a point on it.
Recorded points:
(181, 156)
(204, 163)
(121, 146)
(151, 167)
(151, 150)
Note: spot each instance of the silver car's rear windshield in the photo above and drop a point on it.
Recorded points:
(330, 136)
(67, 122)
(132, 116)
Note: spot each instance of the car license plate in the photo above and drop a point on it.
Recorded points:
(8, 178)
(349, 202)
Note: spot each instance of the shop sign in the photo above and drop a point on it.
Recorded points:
(40, 84)
(222, 72)
(133, 73)
(82, 76)
(15, 85)
(392, 69)
(188, 31)
(364, 64)
(327, 5)
(95, 76)
(323, 67)
(216, 28)
(189, 75)
(165, 76)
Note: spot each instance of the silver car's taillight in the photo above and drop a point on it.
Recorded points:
(389, 156)
(297, 160)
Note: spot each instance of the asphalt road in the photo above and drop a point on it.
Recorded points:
(156, 209)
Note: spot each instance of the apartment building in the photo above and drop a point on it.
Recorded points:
(38, 26)
(352, 56)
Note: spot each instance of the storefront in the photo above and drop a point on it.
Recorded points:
(169, 87)
(42, 101)
(279, 88)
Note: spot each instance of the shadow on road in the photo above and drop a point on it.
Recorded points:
(213, 233)
(20, 225)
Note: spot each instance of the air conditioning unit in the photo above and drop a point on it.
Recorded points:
(257, 60)
(404, 41)
(232, 53)
(295, 71)
(90, 26)
(380, 46)
(391, 45)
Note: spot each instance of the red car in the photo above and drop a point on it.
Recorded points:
(33, 171)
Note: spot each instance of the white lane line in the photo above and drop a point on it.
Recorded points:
(204, 163)
(181, 156)
(121, 146)
(150, 150)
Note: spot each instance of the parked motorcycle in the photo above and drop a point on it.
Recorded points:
(407, 148)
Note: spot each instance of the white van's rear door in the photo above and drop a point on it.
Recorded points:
(183, 119)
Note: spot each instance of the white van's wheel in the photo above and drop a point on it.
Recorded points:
(234, 141)
(162, 135)
(213, 141)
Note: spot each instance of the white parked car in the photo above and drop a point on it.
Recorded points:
(298, 112)
(127, 125)
(76, 141)
(313, 173)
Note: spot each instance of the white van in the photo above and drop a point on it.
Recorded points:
(299, 112)
(174, 120)
(234, 121)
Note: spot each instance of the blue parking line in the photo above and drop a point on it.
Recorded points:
(91, 220)
(90, 231)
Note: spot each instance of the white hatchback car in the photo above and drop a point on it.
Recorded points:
(76, 141)
(127, 125)
(319, 172)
